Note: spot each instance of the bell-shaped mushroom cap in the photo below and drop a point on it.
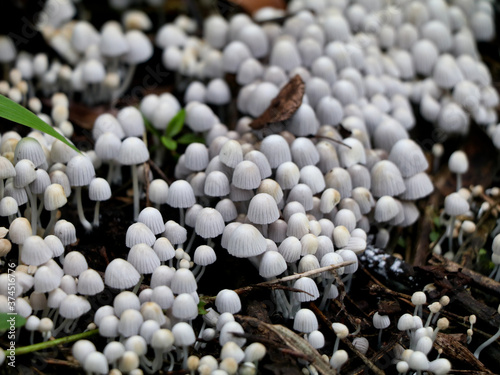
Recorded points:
(73, 306)
(180, 194)
(120, 274)
(183, 334)
(29, 148)
(133, 151)
(140, 48)
(90, 283)
(74, 263)
(408, 157)
(35, 251)
(204, 255)
(246, 241)
(183, 281)
(7, 48)
(143, 258)
(131, 121)
(263, 209)
(139, 233)
(209, 223)
(227, 300)
(455, 204)
(80, 170)
(54, 197)
(184, 307)
(305, 321)
(153, 219)
(112, 42)
(272, 264)
(386, 179)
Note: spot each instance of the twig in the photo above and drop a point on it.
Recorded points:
(295, 276)
(49, 344)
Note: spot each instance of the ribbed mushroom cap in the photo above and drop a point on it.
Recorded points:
(231, 153)
(65, 231)
(46, 280)
(340, 180)
(74, 263)
(204, 255)
(246, 241)
(227, 209)
(312, 177)
(35, 250)
(455, 204)
(80, 170)
(120, 274)
(184, 307)
(153, 219)
(386, 209)
(73, 306)
(263, 209)
(183, 281)
(29, 148)
(216, 184)
(196, 157)
(246, 175)
(99, 189)
(170, 35)
(139, 233)
(417, 186)
(304, 152)
(310, 288)
(209, 223)
(54, 197)
(90, 283)
(446, 72)
(25, 173)
(303, 122)
(175, 233)
(133, 151)
(305, 321)
(303, 194)
(276, 149)
(143, 258)
(408, 157)
(272, 264)
(261, 161)
(180, 194)
(227, 300)
(386, 179)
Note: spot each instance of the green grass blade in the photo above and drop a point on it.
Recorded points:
(12, 111)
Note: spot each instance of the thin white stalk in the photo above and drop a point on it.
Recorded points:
(81, 214)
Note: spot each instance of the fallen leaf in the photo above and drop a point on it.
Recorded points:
(283, 106)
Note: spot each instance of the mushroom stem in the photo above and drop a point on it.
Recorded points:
(33, 210)
(138, 285)
(81, 214)
(181, 216)
(135, 184)
(486, 343)
(96, 213)
(325, 294)
(52, 221)
(459, 181)
(125, 84)
(379, 338)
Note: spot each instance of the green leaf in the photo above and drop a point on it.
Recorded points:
(434, 236)
(169, 143)
(201, 308)
(6, 321)
(176, 124)
(189, 138)
(12, 111)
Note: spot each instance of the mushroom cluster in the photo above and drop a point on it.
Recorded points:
(298, 199)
